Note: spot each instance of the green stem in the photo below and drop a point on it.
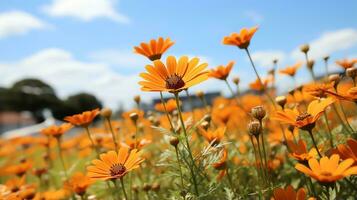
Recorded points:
(187, 143)
(113, 134)
(167, 113)
(328, 129)
(259, 79)
(91, 140)
(191, 104)
(261, 160)
(61, 156)
(179, 164)
(314, 142)
(123, 188)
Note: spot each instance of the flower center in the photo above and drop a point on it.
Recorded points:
(174, 82)
(326, 173)
(117, 169)
(302, 116)
(155, 57)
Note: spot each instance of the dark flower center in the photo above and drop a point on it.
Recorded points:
(174, 82)
(117, 169)
(303, 116)
(155, 57)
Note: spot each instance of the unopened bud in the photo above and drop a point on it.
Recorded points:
(335, 78)
(106, 112)
(207, 118)
(281, 101)
(275, 61)
(304, 48)
(326, 58)
(258, 112)
(351, 72)
(174, 141)
(146, 187)
(155, 187)
(236, 80)
(254, 128)
(134, 117)
(137, 99)
(200, 94)
(205, 125)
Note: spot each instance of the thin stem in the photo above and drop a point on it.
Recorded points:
(123, 188)
(91, 140)
(187, 143)
(258, 168)
(312, 186)
(191, 104)
(261, 159)
(179, 164)
(314, 142)
(233, 94)
(326, 68)
(264, 151)
(113, 134)
(136, 135)
(310, 70)
(230, 181)
(345, 116)
(61, 156)
(259, 79)
(328, 129)
(167, 113)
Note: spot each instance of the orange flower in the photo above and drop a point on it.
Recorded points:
(256, 85)
(291, 70)
(79, 183)
(345, 63)
(221, 72)
(213, 137)
(241, 39)
(329, 169)
(289, 193)
(154, 49)
(347, 151)
(56, 131)
(175, 76)
(319, 90)
(305, 120)
(113, 165)
(299, 151)
(170, 106)
(83, 119)
(221, 164)
(19, 169)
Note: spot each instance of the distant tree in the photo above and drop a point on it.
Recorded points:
(82, 102)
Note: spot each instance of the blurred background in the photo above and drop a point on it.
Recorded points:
(61, 57)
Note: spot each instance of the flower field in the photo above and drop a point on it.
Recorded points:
(300, 144)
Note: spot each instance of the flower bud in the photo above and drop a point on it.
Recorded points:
(254, 128)
(174, 141)
(106, 112)
(258, 112)
(135, 188)
(236, 80)
(134, 117)
(275, 61)
(281, 101)
(310, 64)
(205, 125)
(335, 78)
(137, 99)
(326, 58)
(207, 118)
(304, 48)
(351, 72)
(155, 187)
(200, 94)
(146, 187)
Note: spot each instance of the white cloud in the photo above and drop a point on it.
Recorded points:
(254, 16)
(85, 10)
(69, 75)
(18, 23)
(329, 42)
(265, 58)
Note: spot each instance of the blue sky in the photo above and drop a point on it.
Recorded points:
(86, 45)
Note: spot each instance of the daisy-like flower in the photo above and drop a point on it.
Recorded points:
(348, 150)
(299, 151)
(113, 165)
(346, 63)
(154, 49)
(241, 39)
(328, 170)
(257, 85)
(213, 137)
(175, 76)
(83, 119)
(56, 131)
(291, 70)
(221, 72)
(79, 183)
(289, 193)
(170, 106)
(221, 164)
(319, 90)
(304, 120)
